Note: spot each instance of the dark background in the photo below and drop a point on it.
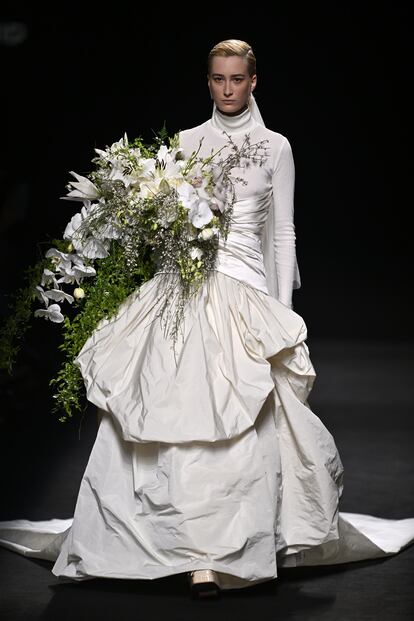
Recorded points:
(334, 80)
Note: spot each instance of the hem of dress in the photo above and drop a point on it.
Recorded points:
(227, 580)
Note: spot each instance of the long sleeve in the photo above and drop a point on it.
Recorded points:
(284, 237)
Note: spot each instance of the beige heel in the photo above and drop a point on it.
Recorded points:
(204, 583)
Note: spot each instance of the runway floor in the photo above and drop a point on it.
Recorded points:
(364, 394)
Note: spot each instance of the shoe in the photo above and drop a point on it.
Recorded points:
(204, 583)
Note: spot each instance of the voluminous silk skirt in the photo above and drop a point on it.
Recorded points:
(208, 456)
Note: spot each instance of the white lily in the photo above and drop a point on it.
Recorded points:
(83, 189)
(52, 313)
(167, 157)
(143, 171)
(168, 172)
(169, 168)
(117, 171)
(162, 153)
(147, 166)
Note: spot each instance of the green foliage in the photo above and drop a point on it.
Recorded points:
(115, 280)
(13, 330)
(21, 305)
(113, 283)
(155, 231)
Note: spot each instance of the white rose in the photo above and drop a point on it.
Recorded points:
(206, 233)
(78, 293)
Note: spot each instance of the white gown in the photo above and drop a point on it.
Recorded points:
(214, 459)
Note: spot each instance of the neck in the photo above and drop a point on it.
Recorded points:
(240, 122)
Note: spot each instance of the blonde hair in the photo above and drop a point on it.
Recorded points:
(233, 47)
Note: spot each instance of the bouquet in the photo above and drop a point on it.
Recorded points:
(146, 209)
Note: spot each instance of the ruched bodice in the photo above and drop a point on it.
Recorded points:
(260, 249)
(241, 255)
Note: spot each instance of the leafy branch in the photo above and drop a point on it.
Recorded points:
(114, 282)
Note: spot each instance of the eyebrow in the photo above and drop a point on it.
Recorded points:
(235, 75)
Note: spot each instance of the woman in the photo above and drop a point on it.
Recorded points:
(212, 464)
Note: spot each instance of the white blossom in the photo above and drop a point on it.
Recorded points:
(95, 248)
(109, 231)
(41, 295)
(187, 194)
(196, 253)
(58, 295)
(206, 233)
(79, 293)
(52, 313)
(77, 273)
(83, 189)
(115, 198)
(71, 232)
(200, 213)
(61, 260)
(48, 277)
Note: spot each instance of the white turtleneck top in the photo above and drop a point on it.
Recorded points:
(269, 187)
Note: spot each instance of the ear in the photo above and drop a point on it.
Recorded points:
(254, 82)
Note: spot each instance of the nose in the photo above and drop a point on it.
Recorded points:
(227, 88)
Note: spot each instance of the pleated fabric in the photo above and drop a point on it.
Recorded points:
(208, 456)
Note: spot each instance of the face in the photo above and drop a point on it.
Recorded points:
(230, 84)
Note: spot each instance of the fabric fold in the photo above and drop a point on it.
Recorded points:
(215, 385)
(209, 459)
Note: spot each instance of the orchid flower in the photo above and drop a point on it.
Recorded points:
(59, 296)
(48, 277)
(41, 295)
(77, 273)
(52, 313)
(200, 214)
